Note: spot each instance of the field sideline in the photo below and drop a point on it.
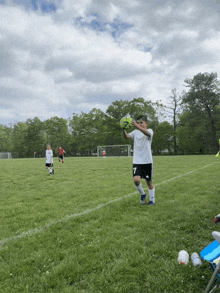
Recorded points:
(84, 230)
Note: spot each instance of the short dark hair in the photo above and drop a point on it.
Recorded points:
(142, 117)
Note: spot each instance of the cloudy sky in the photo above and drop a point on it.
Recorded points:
(60, 57)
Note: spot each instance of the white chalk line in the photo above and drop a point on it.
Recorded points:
(100, 206)
(171, 179)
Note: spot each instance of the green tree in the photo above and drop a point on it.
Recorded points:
(118, 109)
(35, 137)
(175, 108)
(57, 134)
(19, 138)
(6, 141)
(163, 138)
(191, 136)
(134, 108)
(88, 131)
(201, 102)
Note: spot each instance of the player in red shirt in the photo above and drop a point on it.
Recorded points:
(61, 154)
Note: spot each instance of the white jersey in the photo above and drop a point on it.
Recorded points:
(142, 147)
(49, 156)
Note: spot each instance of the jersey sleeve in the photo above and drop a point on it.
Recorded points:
(151, 133)
(131, 134)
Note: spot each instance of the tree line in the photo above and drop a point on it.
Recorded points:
(195, 126)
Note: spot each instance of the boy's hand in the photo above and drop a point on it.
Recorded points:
(138, 126)
(134, 123)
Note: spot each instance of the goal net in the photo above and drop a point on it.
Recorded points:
(114, 150)
(8, 155)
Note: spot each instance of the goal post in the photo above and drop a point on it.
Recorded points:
(8, 155)
(114, 150)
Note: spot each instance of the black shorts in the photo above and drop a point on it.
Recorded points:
(49, 164)
(145, 171)
(61, 157)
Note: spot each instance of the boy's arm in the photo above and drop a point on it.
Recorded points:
(143, 130)
(125, 134)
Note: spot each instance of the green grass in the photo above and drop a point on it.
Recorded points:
(84, 230)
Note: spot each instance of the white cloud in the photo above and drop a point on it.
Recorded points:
(89, 53)
(125, 87)
(136, 58)
(212, 44)
(78, 7)
(164, 11)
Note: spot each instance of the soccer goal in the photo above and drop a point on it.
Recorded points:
(114, 150)
(8, 155)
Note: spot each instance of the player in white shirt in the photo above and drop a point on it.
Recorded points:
(49, 159)
(142, 157)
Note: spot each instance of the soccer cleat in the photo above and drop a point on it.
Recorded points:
(143, 199)
(151, 203)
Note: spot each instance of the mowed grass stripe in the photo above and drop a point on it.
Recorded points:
(100, 206)
(123, 247)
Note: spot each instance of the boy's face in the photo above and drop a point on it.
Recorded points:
(48, 147)
(142, 123)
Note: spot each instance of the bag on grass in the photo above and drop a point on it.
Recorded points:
(216, 219)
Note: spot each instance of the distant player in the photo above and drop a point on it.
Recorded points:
(103, 153)
(49, 159)
(61, 154)
(142, 157)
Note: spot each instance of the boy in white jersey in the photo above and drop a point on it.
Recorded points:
(142, 157)
(49, 159)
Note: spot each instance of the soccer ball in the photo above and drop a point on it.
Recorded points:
(126, 122)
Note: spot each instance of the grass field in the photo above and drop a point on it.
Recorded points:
(84, 230)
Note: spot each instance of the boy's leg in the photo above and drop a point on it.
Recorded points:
(137, 182)
(151, 190)
(50, 168)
